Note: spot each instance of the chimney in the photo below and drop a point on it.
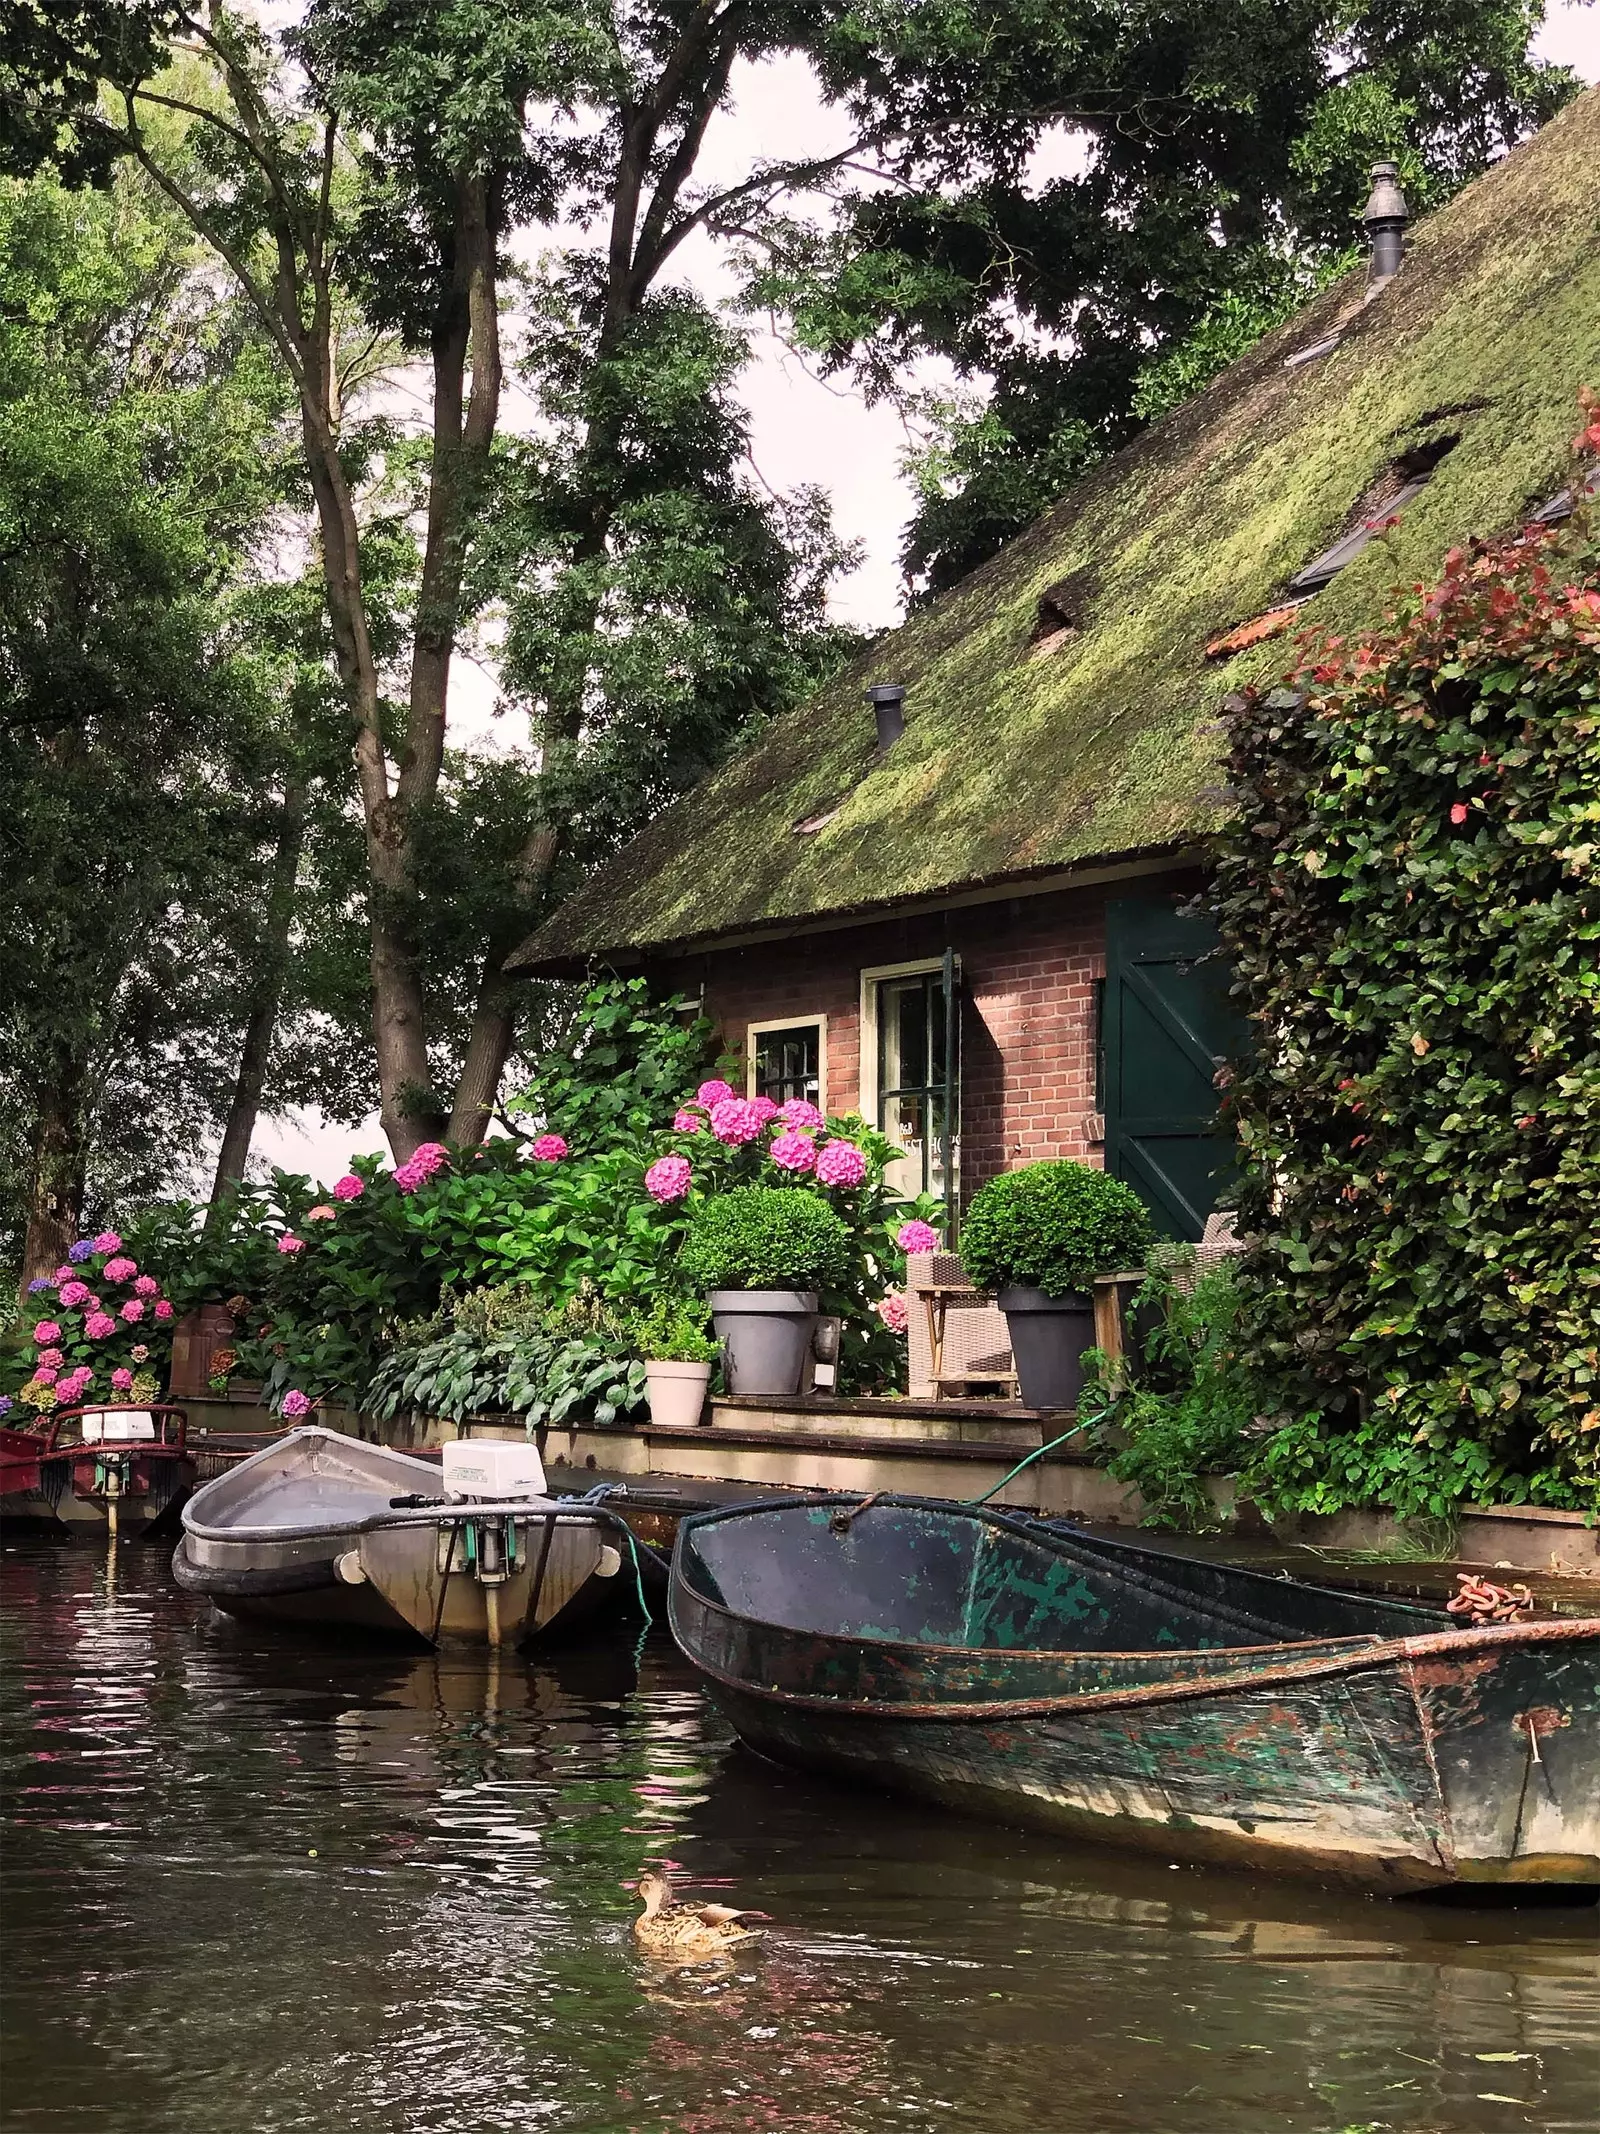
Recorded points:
(1384, 218)
(888, 703)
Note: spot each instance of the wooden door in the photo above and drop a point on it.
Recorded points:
(1168, 1025)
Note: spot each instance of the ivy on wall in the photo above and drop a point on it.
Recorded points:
(1410, 892)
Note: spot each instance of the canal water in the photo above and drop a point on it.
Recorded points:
(255, 1886)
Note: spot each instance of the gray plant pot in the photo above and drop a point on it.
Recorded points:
(765, 1336)
(1048, 1338)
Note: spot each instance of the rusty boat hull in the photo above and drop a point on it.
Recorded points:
(1036, 1675)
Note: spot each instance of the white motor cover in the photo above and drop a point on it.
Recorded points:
(106, 1426)
(492, 1467)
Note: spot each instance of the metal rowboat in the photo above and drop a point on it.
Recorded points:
(326, 1529)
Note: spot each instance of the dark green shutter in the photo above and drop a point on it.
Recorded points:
(1168, 1026)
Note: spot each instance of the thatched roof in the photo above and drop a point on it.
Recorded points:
(1023, 758)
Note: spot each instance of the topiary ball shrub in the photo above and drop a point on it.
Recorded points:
(766, 1237)
(1053, 1227)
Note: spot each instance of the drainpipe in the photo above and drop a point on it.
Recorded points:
(1384, 218)
(888, 701)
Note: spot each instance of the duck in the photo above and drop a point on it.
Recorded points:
(703, 1930)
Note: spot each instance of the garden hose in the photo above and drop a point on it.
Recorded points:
(1037, 1454)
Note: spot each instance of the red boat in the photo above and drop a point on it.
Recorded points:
(116, 1469)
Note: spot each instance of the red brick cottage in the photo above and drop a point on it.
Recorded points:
(963, 910)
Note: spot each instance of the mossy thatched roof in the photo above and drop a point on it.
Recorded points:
(1016, 763)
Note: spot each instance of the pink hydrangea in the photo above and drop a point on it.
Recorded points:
(407, 1178)
(549, 1148)
(91, 1303)
(685, 1121)
(99, 1326)
(668, 1178)
(841, 1163)
(734, 1122)
(52, 1359)
(794, 1152)
(45, 1375)
(147, 1286)
(132, 1312)
(74, 1293)
(710, 1093)
(349, 1187)
(289, 1243)
(163, 1309)
(917, 1237)
(122, 1381)
(46, 1332)
(296, 1403)
(764, 1109)
(801, 1112)
(139, 1352)
(120, 1270)
(74, 1383)
(108, 1241)
(430, 1157)
(64, 1274)
(893, 1311)
(322, 1213)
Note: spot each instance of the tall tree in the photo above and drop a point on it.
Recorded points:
(381, 158)
(140, 747)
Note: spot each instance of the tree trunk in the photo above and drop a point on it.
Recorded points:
(55, 1171)
(266, 995)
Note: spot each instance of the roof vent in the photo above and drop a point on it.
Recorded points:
(1384, 218)
(888, 701)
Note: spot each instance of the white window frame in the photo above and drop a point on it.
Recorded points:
(788, 1022)
(917, 967)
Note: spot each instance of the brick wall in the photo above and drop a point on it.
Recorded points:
(1029, 967)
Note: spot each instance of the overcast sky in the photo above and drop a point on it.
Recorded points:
(803, 429)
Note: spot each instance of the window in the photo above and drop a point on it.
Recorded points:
(908, 1049)
(788, 1060)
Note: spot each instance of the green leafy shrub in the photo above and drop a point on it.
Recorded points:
(1179, 1406)
(497, 1351)
(1410, 893)
(672, 1331)
(1052, 1227)
(765, 1237)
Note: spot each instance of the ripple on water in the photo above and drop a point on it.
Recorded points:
(254, 1883)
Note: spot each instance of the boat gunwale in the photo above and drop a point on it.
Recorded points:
(1319, 1656)
(446, 1511)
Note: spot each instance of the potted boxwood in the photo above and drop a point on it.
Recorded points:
(678, 1354)
(763, 1254)
(1038, 1237)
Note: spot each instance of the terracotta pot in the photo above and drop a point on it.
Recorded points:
(677, 1393)
(196, 1338)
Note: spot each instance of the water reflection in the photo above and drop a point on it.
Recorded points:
(267, 1884)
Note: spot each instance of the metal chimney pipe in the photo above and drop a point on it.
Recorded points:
(888, 700)
(1384, 218)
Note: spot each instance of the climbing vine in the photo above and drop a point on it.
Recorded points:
(1410, 892)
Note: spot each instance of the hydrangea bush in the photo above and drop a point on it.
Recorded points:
(99, 1329)
(325, 1283)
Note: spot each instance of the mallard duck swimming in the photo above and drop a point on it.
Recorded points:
(704, 1930)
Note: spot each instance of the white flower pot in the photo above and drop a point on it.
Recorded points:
(677, 1393)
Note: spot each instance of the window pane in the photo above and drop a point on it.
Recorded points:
(789, 1063)
(911, 1066)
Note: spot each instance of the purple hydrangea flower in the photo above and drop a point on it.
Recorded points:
(38, 1283)
(81, 1251)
